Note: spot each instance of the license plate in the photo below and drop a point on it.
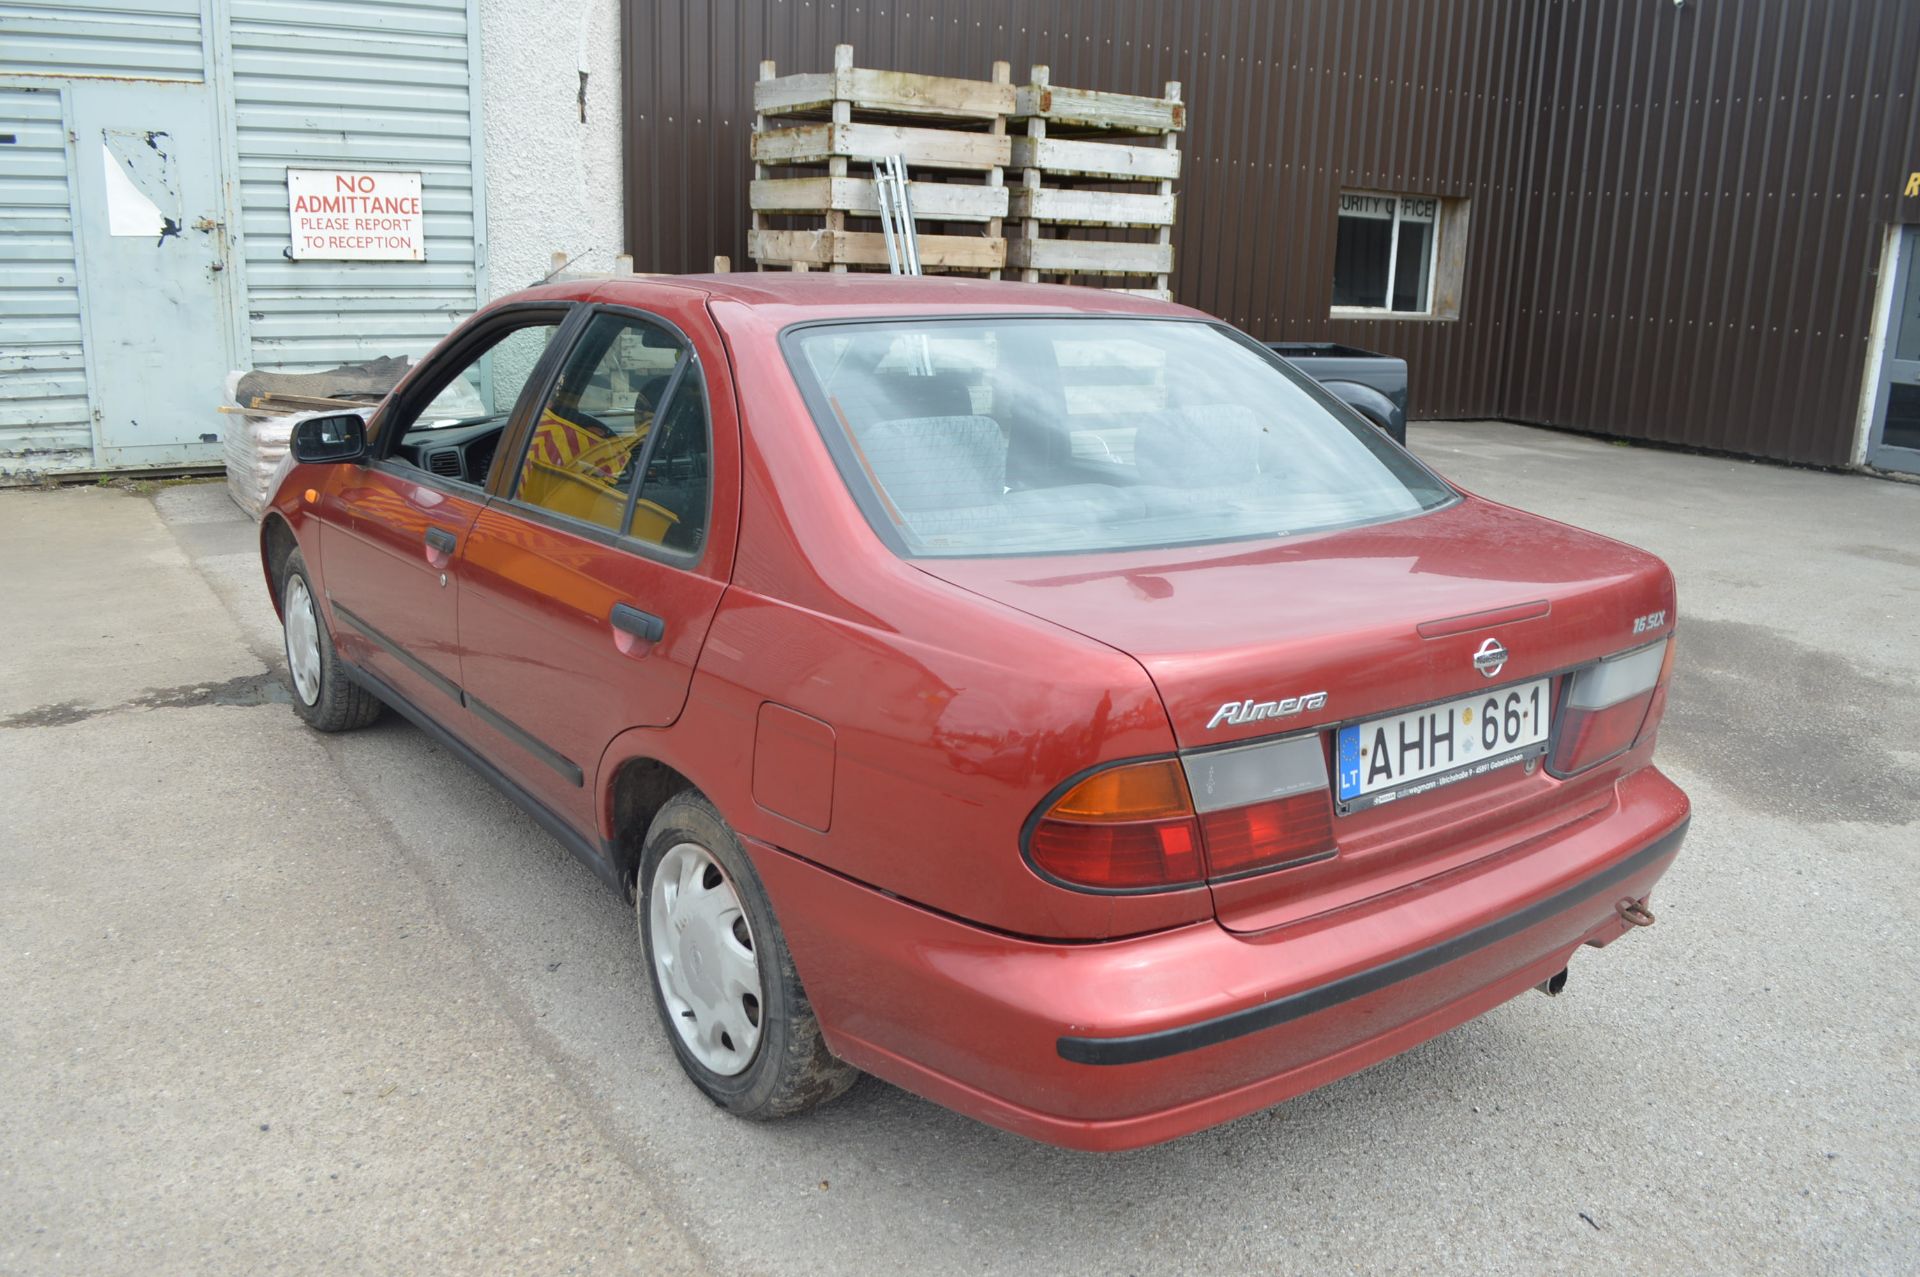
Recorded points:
(1405, 754)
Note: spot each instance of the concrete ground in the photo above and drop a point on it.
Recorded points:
(277, 1002)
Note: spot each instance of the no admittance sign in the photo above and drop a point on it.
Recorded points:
(355, 216)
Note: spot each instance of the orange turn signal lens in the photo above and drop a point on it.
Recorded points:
(1139, 791)
(1129, 828)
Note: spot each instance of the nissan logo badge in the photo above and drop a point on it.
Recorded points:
(1491, 658)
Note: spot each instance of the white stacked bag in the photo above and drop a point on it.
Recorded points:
(255, 444)
(255, 449)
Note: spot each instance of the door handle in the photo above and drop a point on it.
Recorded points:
(642, 625)
(442, 540)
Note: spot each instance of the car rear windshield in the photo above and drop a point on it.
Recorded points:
(971, 438)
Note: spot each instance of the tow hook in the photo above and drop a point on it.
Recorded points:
(1634, 913)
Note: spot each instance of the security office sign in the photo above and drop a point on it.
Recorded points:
(361, 216)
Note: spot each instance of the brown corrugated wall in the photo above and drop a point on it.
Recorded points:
(1712, 186)
(1676, 212)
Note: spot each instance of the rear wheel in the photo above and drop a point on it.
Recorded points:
(326, 698)
(723, 979)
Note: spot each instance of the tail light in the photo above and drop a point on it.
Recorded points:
(1608, 707)
(1165, 824)
(1658, 706)
(1124, 829)
(1266, 835)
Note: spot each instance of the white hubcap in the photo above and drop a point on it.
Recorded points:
(303, 641)
(704, 959)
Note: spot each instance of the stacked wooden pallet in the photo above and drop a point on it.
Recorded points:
(1104, 161)
(816, 137)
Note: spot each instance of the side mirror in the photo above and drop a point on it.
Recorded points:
(341, 436)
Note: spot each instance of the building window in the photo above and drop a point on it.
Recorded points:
(1393, 254)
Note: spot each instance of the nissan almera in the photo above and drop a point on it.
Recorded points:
(1047, 700)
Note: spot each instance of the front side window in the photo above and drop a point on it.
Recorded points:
(489, 385)
(1385, 252)
(1033, 436)
(470, 397)
(621, 441)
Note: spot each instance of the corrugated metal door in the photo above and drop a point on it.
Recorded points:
(118, 326)
(139, 39)
(44, 420)
(360, 86)
(109, 367)
(152, 248)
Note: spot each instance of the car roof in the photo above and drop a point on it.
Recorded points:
(801, 295)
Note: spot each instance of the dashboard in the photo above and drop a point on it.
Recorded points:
(462, 450)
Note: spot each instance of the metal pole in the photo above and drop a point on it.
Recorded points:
(882, 194)
(910, 235)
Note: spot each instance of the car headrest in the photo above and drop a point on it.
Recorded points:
(899, 396)
(1191, 447)
(649, 391)
(937, 463)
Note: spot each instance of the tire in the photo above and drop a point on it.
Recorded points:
(324, 697)
(711, 906)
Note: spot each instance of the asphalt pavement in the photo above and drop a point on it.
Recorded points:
(276, 1002)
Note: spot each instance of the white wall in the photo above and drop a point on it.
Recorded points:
(553, 182)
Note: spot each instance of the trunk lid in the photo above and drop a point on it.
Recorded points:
(1335, 627)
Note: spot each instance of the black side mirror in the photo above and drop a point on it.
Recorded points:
(342, 436)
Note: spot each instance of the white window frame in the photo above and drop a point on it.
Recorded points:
(1393, 259)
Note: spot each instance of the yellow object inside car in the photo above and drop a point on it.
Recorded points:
(576, 470)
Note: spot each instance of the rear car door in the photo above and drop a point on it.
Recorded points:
(589, 584)
(390, 529)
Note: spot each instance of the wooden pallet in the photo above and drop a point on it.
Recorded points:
(1090, 257)
(816, 136)
(1089, 159)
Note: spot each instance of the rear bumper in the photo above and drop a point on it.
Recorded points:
(1131, 1042)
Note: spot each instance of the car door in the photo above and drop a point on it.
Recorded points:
(589, 584)
(391, 528)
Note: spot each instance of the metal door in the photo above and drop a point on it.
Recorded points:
(1894, 443)
(152, 249)
(44, 421)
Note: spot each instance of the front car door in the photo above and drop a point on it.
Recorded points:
(589, 583)
(391, 528)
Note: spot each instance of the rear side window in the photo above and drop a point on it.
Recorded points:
(621, 442)
(672, 507)
(1034, 436)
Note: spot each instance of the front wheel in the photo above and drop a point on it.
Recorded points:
(723, 979)
(326, 698)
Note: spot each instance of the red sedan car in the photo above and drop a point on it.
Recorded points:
(1047, 700)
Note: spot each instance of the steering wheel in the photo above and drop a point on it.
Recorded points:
(590, 422)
